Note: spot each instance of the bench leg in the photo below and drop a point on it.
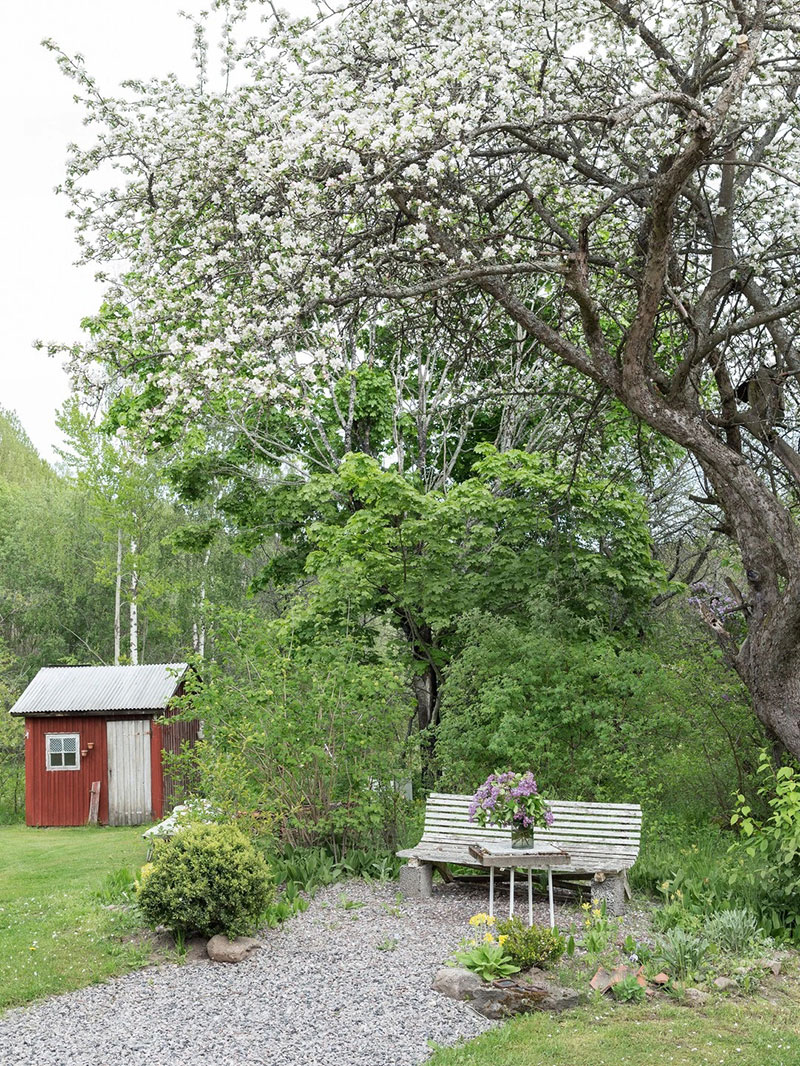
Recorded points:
(444, 870)
(609, 888)
(417, 881)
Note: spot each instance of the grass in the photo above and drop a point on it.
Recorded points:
(763, 1030)
(56, 934)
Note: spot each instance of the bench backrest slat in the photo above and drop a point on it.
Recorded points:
(588, 831)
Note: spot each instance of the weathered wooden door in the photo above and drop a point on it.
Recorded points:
(129, 796)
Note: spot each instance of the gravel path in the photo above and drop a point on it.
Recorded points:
(321, 992)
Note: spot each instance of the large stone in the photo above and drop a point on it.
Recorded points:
(773, 965)
(416, 879)
(725, 984)
(695, 997)
(456, 982)
(506, 997)
(609, 889)
(221, 949)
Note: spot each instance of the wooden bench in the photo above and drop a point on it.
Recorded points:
(602, 840)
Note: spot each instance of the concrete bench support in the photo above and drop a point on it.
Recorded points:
(416, 879)
(609, 888)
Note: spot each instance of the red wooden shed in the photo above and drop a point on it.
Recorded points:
(85, 724)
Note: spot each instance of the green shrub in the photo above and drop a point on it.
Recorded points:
(628, 990)
(534, 946)
(681, 952)
(774, 845)
(488, 960)
(208, 879)
(119, 886)
(734, 931)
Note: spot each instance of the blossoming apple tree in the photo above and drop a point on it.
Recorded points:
(615, 180)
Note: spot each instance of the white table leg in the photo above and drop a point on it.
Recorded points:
(511, 898)
(530, 896)
(491, 891)
(550, 893)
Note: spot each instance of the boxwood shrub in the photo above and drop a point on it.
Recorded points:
(206, 879)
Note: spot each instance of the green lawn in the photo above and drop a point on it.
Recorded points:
(760, 1030)
(55, 935)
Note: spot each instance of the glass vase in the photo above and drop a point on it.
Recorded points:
(522, 840)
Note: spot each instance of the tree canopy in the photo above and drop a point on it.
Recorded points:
(616, 182)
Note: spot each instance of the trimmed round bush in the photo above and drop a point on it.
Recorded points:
(534, 946)
(207, 879)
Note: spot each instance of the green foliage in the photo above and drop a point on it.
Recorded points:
(628, 990)
(734, 931)
(12, 747)
(536, 945)
(305, 737)
(617, 718)
(306, 868)
(119, 886)
(773, 842)
(488, 960)
(20, 464)
(517, 524)
(598, 929)
(682, 953)
(207, 879)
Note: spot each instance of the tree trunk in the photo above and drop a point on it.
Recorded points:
(134, 606)
(118, 601)
(769, 665)
(426, 693)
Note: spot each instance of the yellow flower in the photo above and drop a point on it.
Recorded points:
(482, 919)
(488, 938)
(502, 938)
(597, 912)
(586, 906)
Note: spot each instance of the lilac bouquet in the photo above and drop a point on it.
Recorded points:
(513, 800)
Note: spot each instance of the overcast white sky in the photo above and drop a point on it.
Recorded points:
(42, 295)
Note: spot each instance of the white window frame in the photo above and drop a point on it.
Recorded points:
(48, 750)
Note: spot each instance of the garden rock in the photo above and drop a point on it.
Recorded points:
(773, 965)
(725, 984)
(695, 997)
(456, 982)
(221, 949)
(506, 997)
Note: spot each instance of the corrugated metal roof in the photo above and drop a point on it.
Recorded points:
(95, 689)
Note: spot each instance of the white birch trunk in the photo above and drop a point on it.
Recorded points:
(134, 613)
(118, 601)
(199, 630)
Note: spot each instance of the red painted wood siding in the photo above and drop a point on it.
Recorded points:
(174, 736)
(61, 797)
(156, 771)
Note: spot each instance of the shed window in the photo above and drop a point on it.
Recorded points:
(63, 751)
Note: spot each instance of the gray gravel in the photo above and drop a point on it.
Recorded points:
(321, 992)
